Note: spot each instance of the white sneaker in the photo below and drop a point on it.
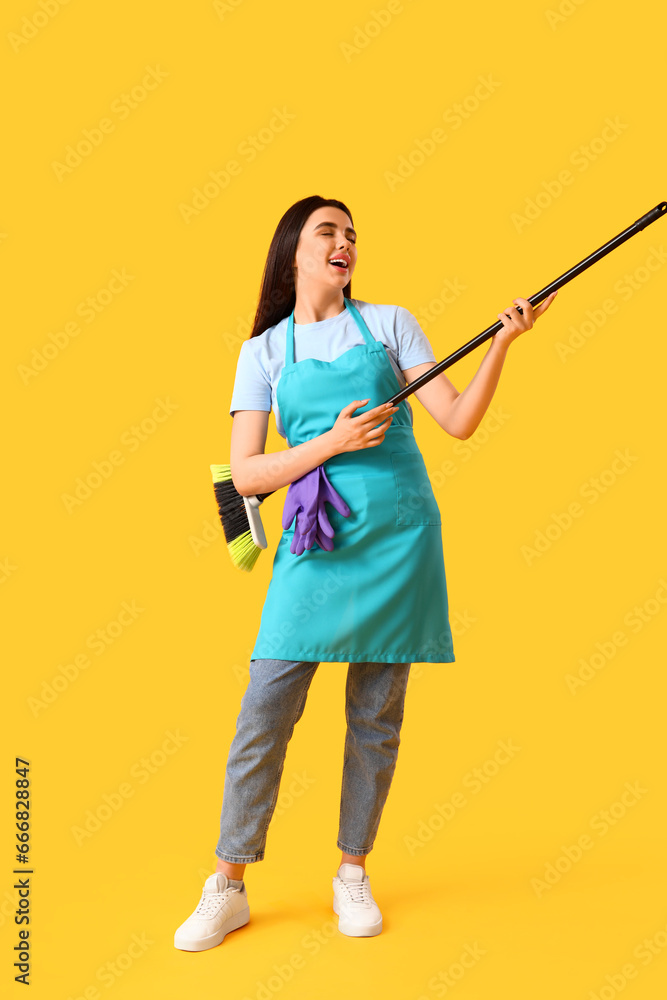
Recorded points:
(358, 913)
(222, 908)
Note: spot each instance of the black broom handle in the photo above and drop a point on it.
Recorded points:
(534, 300)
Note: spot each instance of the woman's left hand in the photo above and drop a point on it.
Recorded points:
(516, 323)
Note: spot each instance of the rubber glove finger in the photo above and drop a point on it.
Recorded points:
(309, 535)
(324, 523)
(301, 495)
(302, 525)
(291, 508)
(324, 542)
(301, 504)
(297, 545)
(305, 521)
(327, 492)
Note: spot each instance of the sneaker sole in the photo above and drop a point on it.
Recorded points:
(201, 944)
(356, 930)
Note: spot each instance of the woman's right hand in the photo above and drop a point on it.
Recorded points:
(364, 431)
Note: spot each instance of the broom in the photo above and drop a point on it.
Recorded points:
(241, 523)
(240, 517)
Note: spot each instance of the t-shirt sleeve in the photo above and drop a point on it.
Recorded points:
(252, 385)
(414, 347)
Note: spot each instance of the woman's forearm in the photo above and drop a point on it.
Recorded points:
(470, 405)
(268, 472)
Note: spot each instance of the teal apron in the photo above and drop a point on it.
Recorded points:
(381, 594)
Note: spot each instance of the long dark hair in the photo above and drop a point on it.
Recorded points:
(277, 296)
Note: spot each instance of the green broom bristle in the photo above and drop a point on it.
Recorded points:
(243, 551)
(234, 518)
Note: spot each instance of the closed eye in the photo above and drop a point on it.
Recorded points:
(331, 234)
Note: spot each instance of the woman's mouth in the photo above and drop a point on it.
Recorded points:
(339, 263)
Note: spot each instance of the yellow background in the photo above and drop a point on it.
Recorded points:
(365, 85)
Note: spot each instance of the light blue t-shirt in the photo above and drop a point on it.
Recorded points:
(262, 358)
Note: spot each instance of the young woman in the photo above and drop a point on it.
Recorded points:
(373, 595)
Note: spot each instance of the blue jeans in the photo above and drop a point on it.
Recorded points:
(271, 706)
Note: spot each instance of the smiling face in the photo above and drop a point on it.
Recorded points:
(326, 234)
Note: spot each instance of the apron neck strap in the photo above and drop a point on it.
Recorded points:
(358, 319)
(361, 323)
(289, 340)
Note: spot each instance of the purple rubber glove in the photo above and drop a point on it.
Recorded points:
(301, 503)
(305, 501)
(326, 493)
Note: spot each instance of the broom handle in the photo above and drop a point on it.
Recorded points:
(534, 300)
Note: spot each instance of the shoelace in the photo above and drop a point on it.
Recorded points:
(358, 892)
(211, 901)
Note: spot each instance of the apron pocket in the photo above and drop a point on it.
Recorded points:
(415, 502)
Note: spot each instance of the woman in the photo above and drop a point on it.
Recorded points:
(374, 595)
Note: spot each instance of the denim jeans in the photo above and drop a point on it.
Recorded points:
(272, 704)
